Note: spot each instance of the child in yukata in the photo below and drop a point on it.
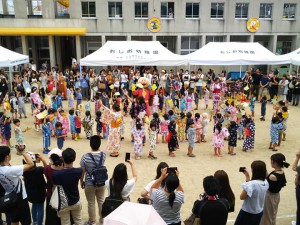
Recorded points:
(87, 124)
(46, 136)
(64, 121)
(152, 140)
(138, 133)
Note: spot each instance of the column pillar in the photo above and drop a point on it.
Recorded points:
(24, 45)
(203, 40)
(78, 48)
(178, 45)
(102, 40)
(57, 40)
(128, 38)
(154, 37)
(274, 43)
(52, 50)
(251, 38)
(34, 48)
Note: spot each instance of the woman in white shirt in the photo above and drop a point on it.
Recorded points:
(163, 79)
(253, 194)
(283, 88)
(124, 80)
(147, 189)
(120, 180)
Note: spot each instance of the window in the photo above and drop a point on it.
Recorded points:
(284, 47)
(189, 44)
(214, 39)
(241, 10)
(192, 10)
(217, 10)
(141, 9)
(7, 7)
(34, 8)
(289, 11)
(167, 10)
(265, 11)
(115, 9)
(88, 9)
(62, 9)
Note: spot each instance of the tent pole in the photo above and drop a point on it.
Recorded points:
(10, 78)
(290, 70)
(297, 71)
(240, 71)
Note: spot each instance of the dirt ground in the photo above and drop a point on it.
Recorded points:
(192, 170)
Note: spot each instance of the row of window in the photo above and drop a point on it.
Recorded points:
(141, 9)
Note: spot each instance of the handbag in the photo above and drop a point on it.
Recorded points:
(59, 199)
(10, 201)
(192, 220)
(101, 86)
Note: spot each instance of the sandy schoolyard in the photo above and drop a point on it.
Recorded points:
(192, 170)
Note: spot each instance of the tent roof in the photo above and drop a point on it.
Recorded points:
(234, 53)
(9, 58)
(294, 56)
(138, 53)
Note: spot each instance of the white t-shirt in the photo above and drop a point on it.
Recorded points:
(199, 82)
(127, 190)
(9, 178)
(285, 86)
(256, 192)
(124, 78)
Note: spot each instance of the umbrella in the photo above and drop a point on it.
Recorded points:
(134, 214)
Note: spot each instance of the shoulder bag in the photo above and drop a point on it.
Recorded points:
(59, 199)
(10, 201)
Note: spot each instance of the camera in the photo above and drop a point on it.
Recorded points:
(242, 169)
(172, 170)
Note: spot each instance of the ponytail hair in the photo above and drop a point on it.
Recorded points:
(172, 183)
(279, 158)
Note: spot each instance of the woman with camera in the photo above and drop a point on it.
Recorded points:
(10, 181)
(253, 194)
(147, 189)
(167, 201)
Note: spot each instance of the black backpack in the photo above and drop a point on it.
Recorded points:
(112, 202)
(99, 174)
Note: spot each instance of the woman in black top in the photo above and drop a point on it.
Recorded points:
(276, 180)
(225, 189)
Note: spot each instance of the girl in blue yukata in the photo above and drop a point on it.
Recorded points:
(46, 129)
(275, 127)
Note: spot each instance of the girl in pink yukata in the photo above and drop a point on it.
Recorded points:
(155, 104)
(64, 121)
(35, 97)
(198, 125)
(206, 96)
(218, 138)
(189, 100)
(164, 128)
(35, 112)
(138, 133)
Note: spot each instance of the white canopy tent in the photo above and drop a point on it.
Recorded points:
(10, 58)
(234, 53)
(137, 53)
(293, 56)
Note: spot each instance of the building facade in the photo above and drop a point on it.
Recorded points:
(58, 30)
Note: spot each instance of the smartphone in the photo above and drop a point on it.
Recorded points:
(242, 169)
(31, 155)
(127, 157)
(37, 159)
(172, 170)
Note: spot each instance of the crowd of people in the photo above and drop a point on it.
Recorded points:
(167, 105)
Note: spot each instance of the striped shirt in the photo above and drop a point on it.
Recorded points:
(161, 205)
(88, 163)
